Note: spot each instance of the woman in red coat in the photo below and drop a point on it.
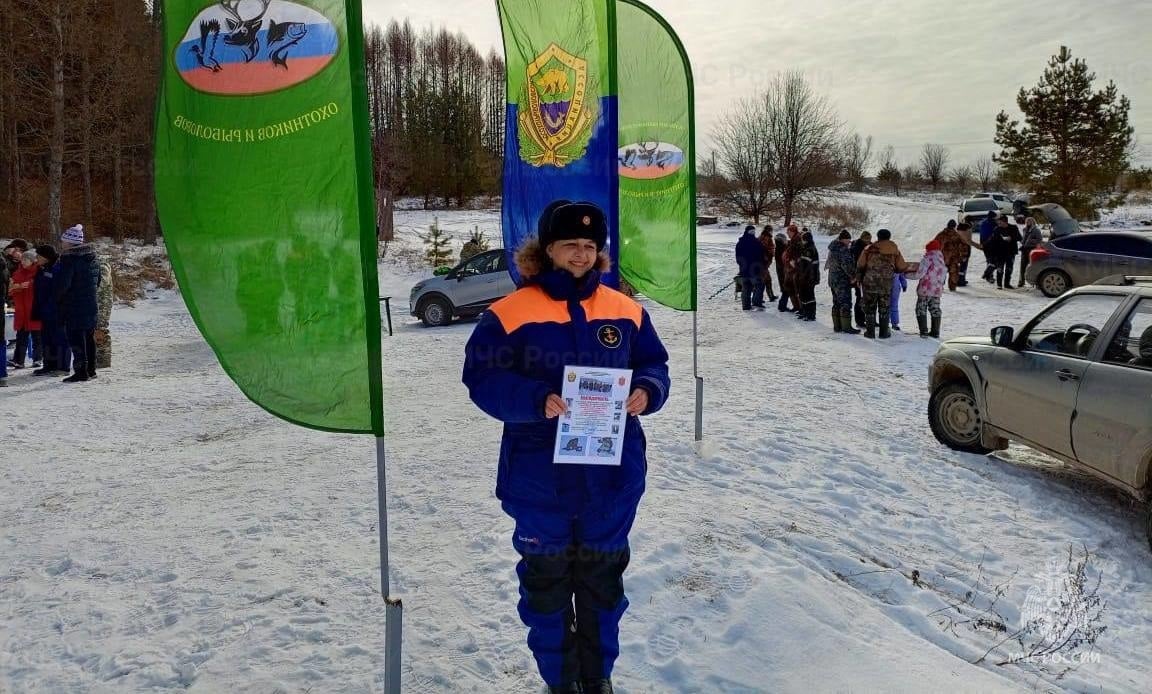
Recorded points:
(27, 330)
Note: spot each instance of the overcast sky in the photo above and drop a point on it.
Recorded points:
(905, 71)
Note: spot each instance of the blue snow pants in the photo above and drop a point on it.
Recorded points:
(571, 586)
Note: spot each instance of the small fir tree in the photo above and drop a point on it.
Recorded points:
(436, 250)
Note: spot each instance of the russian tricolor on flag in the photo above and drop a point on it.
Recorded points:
(249, 47)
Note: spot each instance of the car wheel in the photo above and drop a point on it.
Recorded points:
(436, 312)
(956, 419)
(1054, 283)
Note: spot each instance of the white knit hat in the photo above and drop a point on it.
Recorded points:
(73, 234)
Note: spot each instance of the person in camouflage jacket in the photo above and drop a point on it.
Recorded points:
(956, 250)
(841, 278)
(104, 316)
(878, 265)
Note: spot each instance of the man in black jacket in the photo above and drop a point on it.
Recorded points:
(858, 247)
(1004, 247)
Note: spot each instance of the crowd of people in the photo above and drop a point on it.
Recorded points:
(867, 277)
(62, 301)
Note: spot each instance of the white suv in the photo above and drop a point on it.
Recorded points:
(1004, 202)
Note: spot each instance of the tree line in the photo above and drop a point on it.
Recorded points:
(78, 84)
(786, 147)
(78, 81)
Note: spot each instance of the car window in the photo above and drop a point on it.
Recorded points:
(980, 205)
(1071, 327)
(1131, 246)
(1132, 345)
(1087, 243)
(482, 264)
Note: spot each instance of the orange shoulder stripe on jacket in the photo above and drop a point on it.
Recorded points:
(609, 304)
(529, 305)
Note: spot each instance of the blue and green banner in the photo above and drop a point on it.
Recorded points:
(265, 196)
(601, 109)
(560, 139)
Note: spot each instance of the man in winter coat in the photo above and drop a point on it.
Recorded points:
(1032, 238)
(858, 247)
(750, 259)
(987, 231)
(54, 340)
(807, 276)
(76, 286)
(23, 291)
(769, 245)
(933, 274)
(1004, 246)
(877, 266)
(1145, 357)
(781, 245)
(572, 521)
(955, 250)
(104, 316)
(789, 292)
(841, 279)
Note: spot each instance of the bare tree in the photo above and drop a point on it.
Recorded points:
(856, 157)
(911, 176)
(744, 153)
(962, 177)
(804, 135)
(933, 162)
(986, 171)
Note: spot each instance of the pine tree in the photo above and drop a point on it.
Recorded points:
(477, 243)
(436, 250)
(1074, 143)
(890, 175)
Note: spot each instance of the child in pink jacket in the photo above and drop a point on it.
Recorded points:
(933, 276)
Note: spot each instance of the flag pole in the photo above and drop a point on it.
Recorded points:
(393, 608)
(698, 377)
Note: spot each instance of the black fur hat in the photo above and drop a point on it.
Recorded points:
(573, 220)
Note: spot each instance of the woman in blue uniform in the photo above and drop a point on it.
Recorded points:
(572, 521)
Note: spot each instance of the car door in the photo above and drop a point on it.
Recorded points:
(1137, 254)
(1112, 428)
(1031, 389)
(477, 281)
(505, 284)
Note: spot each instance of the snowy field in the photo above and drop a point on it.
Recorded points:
(158, 531)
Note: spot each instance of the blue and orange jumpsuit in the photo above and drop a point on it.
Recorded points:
(572, 521)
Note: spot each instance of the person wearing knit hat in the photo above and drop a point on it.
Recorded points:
(933, 274)
(572, 521)
(76, 286)
(73, 236)
(841, 277)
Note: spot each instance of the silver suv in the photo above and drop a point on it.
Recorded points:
(1075, 383)
(466, 291)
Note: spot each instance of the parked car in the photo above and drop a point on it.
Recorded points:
(465, 291)
(973, 210)
(1003, 201)
(1075, 382)
(1060, 222)
(1079, 259)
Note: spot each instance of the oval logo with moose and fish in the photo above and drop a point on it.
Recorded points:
(649, 160)
(244, 47)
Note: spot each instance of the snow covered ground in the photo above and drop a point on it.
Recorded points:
(158, 531)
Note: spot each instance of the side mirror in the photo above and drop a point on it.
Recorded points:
(1003, 336)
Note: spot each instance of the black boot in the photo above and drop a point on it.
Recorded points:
(570, 688)
(846, 322)
(922, 321)
(78, 377)
(885, 325)
(603, 686)
(935, 331)
(859, 311)
(836, 327)
(870, 326)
